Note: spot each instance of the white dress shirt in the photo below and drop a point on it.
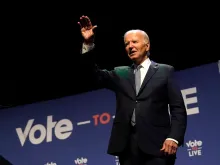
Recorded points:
(145, 66)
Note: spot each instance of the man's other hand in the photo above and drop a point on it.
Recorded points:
(169, 147)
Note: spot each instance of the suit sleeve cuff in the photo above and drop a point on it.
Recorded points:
(173, 140)
(86, 48)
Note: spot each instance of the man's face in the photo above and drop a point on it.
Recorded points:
(135, 46)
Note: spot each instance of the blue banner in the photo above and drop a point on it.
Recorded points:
(75, 130)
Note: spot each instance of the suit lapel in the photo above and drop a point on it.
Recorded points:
(151, 71)
(131, 77)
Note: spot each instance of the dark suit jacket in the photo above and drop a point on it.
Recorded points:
(153, 122)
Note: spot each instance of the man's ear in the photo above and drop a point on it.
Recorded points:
(147, 46)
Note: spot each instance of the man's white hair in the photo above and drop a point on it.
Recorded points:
(145, 35)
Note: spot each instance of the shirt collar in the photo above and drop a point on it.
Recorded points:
(144, 64)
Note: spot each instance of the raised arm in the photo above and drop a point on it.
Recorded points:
(103, 78)
(87, 30)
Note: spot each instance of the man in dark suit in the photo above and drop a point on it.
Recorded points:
(145, 131)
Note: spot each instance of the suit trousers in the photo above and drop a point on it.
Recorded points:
(132, 155)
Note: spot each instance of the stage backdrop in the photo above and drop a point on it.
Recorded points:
(75, 130)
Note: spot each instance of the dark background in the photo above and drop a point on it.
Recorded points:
(41, 43)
